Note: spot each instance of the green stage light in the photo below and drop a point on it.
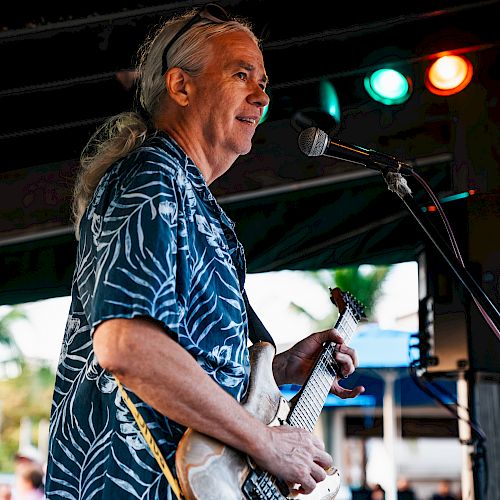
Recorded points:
(265, 114)
(316, 105)
(388, 86)
(329, 99)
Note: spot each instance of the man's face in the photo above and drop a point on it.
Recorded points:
(228, 96)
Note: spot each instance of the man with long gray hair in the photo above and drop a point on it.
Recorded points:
(157, 298)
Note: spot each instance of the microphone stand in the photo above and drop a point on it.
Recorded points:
(461, 272)
(476, 471)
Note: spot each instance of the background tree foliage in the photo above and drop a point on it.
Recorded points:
(29, 394)
(364, 284)
(7, 340)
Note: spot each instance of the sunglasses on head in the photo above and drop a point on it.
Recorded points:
(211, 12)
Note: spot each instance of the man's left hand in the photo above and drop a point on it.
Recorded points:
(294, 365)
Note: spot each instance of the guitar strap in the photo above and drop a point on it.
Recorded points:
(150, 440)
(257, 333)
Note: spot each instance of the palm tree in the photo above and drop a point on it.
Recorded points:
(365, 286)
(7, 340)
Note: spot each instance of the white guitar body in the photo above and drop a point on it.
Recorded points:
(209, 470)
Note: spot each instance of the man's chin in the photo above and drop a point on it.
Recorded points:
(246, 148)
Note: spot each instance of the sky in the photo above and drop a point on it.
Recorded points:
(40, 336)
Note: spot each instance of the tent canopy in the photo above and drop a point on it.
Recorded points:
(72, 68)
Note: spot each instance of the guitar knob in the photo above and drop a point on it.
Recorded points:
(331, 471)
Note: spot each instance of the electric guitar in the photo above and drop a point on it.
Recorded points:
(209, 470)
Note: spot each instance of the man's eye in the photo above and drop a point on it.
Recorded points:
(241, 75)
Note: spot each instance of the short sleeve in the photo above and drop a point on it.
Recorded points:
(141, 261)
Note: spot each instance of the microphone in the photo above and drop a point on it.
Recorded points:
(315, 142)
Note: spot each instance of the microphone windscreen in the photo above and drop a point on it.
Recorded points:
(313, 141)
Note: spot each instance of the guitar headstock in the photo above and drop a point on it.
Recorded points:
(346, 302)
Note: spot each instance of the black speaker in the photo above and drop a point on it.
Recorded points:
(484, 256)
(453, 335)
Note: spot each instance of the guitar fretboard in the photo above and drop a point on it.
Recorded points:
(307, 409)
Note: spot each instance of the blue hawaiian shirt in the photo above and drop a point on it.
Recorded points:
(154, 242)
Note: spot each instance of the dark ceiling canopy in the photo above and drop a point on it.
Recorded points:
(66, 69)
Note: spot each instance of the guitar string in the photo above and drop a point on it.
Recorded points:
(319, 387)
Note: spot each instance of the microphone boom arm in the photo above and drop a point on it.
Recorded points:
(451, 259)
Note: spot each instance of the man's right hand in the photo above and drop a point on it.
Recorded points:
(294, 455)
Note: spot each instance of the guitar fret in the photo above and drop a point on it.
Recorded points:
(348, 321)
(318, 387)
(349, 332)
(318, 381)
(309, 421)
(298, 421)
(303, 414)
(313, 413)
(313, 404)
(318, 400)
(309, 408)
(352, 327)
(313, 398)
(303, 410)
(320, 396)
(341, 329)
(309, 413)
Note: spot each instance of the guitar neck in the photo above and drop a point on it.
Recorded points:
(312, 397)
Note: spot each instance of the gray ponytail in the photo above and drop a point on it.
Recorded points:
(116, 138)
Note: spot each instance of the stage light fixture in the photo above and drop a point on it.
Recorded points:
(317, 105)
(265, 114)
(388, 86)
(448, 75)
(451, 197)
(329, 99)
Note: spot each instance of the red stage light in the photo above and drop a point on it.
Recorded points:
(448, 75)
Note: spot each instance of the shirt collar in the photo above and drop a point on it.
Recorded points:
(193, 173)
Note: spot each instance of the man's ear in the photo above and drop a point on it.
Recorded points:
(176, 83)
